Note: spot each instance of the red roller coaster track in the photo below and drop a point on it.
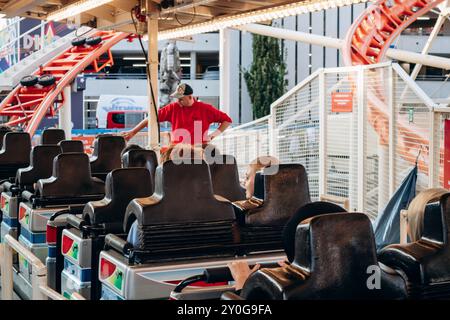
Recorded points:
(367, 41)
(27, 106)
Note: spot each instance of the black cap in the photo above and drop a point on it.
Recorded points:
(183, 89)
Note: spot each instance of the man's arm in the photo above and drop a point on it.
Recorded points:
(223, 126)
(131, 133)
(163, 115)
(218, 117)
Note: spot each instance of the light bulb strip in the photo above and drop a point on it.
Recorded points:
(75, 8)
(262, 15)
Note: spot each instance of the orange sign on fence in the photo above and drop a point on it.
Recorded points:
(341, 101)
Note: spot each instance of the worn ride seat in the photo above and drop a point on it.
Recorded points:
(141, 158)
(41, 167)
(332, 257)
(284, 193)
(225, 178)
(106, 155)
(425, 263)
(122, 186)
(71, 146)
(71, 181)
(15, 153)
(183, 217)
(52, 136)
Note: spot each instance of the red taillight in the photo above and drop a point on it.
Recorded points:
(66, 244)
(107, 268)
(22, 212)
(3, 201)
(51, 234)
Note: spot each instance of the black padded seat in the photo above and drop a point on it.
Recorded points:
(15, 153)
(142, 159)
(284, 193)
(183, 216)
(425, 263)
(71, 180)
(333, 254)
(225, 178)
(52, 136)
(122, 186)
(71, 146)
(41, 166)
(106, 155)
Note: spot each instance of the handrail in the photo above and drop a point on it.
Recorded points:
(22, 35)
(38, 269)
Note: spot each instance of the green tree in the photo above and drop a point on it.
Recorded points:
(266, 77)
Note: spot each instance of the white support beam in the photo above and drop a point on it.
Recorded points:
(401, 55)
(152, 31)
(224, 67)
(65, 113)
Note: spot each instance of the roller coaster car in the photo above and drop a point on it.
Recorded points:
(424, 263)
(334, 264)
(52, 136)
(183, 228)
(106, 155)
(71, 146)
(70, 185)
(41, 158)
(88, 233)
(223, 274)
(14, 155)
(41, 165)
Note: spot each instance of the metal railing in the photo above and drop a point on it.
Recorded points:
(14, 49)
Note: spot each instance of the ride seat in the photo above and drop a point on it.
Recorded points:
(284, 193)
(225, 178)
(41, 158)
(106, 155)
(71, 179)
(14, 154)
(71, 146)
(332, 257)
(424, 263)
(122, 186)
(142, 159)
(183, 216)
(52, 136)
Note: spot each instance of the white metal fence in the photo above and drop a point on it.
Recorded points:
(362, 153)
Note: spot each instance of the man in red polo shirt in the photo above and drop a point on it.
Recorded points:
(189, 117)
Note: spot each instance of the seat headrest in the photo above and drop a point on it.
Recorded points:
(71, 146)
(52, 136)
(140, 158)
(184, 193)
(309, 210)
(16, 148)
(342, 242)
(225, 178)
(41, 165)
(106, 154)
(122, 186)
(284, 192)
(71, 178)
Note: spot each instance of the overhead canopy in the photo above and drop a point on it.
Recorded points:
(173, 20)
